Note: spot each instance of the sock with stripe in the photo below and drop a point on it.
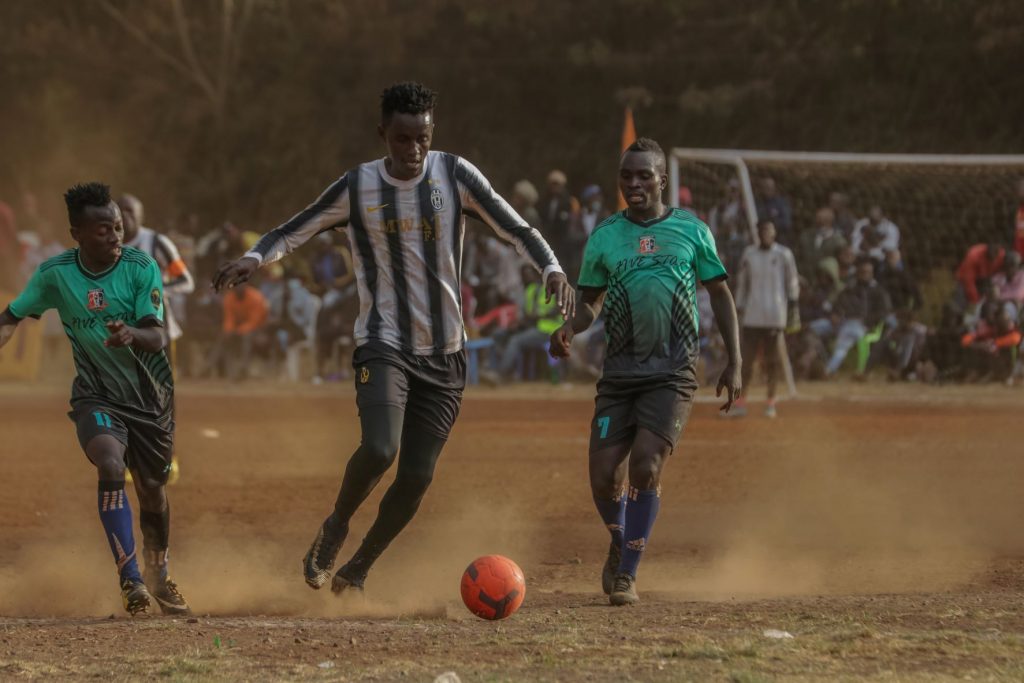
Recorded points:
(641, 511)
(116, 517)
(156, 531)
(613, 514)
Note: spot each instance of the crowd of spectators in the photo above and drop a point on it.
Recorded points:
(859, 308)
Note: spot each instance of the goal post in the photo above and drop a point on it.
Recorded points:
(941, 203)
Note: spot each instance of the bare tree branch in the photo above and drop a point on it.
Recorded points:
(185, 36)
(140, 35)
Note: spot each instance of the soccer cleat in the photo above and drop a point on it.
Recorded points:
(317, 565)
(166, 594)
(769, 411)
(624, 591)
(136, 597)
(342, 583)
(611, 566)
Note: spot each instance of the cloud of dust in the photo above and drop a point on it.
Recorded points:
(834, 521)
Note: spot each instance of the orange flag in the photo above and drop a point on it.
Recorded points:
(628, 138)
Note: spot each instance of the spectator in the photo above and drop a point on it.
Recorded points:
(1018, 233)
(524, 200)
(592, 210)
(559, 216)
(772, 206)
(861, 307)
(875, 235)
(846, 259)
(900, 349)
(291, 311)
(990, 346)
(897, 281)
(245, 315)
(539, 319)
(824, 241)
(981, 262)
(732, 242)
(842, 216)
(767, 294)
(221, 245)
(334, 329)
(1008, 285)
(728, 212)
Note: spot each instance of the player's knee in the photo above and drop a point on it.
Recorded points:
(645, 473)
(415, 483)
(379, 451)
(152, 499)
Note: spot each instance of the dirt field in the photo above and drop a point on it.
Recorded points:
(881, 530)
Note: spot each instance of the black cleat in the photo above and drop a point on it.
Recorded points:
(341, 583)
(166, 594)
(611, 567)
(136, 597)
(624, 591)
(317, 565)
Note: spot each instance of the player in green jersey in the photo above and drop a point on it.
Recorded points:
(110, 301)
(642, 266)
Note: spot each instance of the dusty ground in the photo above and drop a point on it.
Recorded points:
(880, 529)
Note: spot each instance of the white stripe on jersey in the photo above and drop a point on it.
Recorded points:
(164, 252)
(406, 238)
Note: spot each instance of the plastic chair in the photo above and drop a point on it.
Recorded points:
(864, 345)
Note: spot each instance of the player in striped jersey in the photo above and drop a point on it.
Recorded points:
(110, 301)
(176, 276)
(404, 215)
(642, 266)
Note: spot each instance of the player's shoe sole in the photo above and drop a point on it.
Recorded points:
(624, 591)
(611, 567)
(136, 598)
(168, 598)
(317, 565)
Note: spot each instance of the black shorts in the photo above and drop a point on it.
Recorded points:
(428, 388)
(148, 441)
(659, 405)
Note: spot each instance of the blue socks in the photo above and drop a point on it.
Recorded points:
(116, 517)
(641, 511)
(613, 513)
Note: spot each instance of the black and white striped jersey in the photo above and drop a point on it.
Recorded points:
(406, 238)
(176, 276)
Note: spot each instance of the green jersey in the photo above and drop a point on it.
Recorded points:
(131, 290)
(650, 272)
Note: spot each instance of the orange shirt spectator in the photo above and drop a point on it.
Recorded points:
(981, 263)
(245, 310)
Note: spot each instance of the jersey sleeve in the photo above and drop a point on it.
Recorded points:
(709, 266)
(481, 201)
(593, 272)
(330, 210)
(36, 298)
(149, 294)
(178, 278)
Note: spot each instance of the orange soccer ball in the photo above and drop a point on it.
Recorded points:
(493, 587)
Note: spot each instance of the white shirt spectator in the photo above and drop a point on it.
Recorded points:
(890, 238)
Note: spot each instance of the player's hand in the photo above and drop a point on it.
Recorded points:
(561, 341)
(235, 272)
(732, 381)
(565, 296)
(120, 335)
(6, 332)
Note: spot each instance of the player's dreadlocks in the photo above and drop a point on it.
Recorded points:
(648, 145)
(407, 98)
(84, 195)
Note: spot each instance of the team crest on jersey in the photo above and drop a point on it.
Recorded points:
(364, 375)
(647, 245)
(155, 297)
(96, 300)
(436, 199)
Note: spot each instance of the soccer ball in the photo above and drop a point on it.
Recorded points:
(493, 587)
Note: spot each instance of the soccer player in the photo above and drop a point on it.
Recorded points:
(404, 219)
(767, 297)
(110, 301)
(641, 266)
(176, 276)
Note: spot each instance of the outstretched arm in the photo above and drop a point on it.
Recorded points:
(725, 315)
(591, 301)
(8, 324)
